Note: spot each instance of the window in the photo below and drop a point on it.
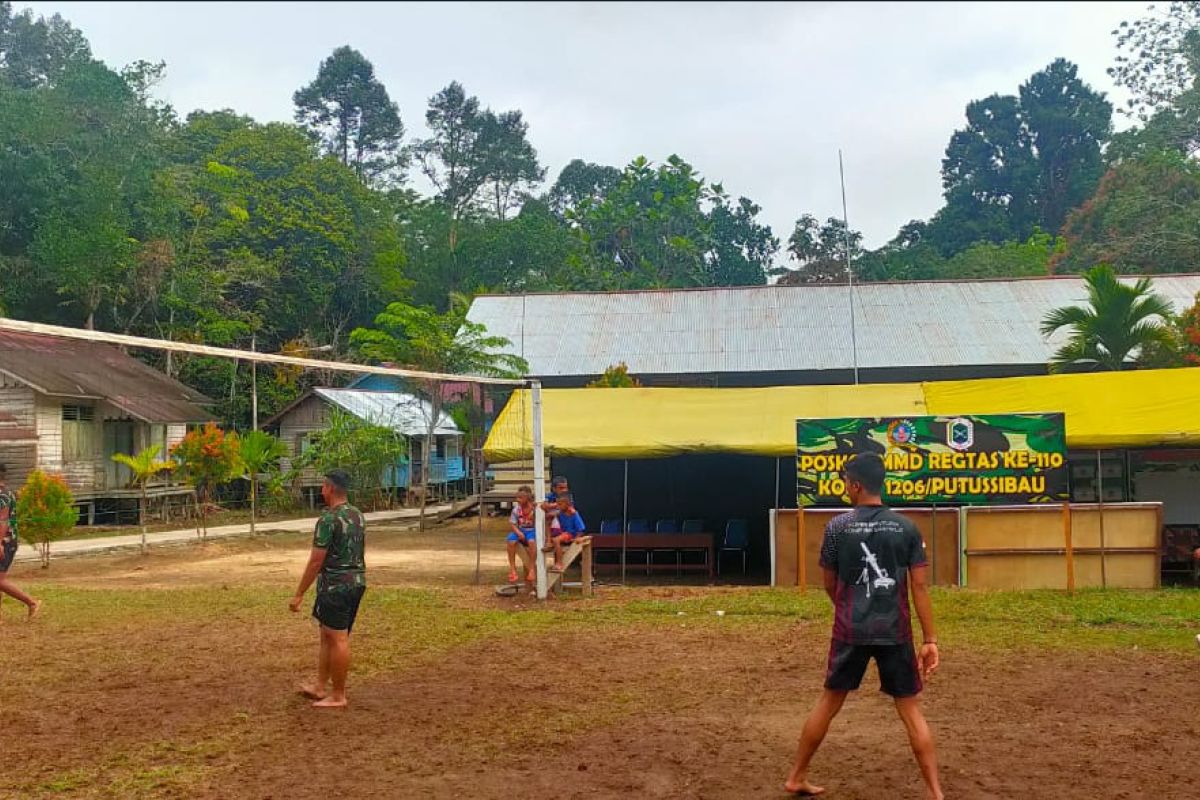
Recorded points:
(441, 447)
(79, 439)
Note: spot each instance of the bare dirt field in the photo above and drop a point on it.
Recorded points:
(172, 676)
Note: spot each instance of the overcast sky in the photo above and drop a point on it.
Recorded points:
(758, 96)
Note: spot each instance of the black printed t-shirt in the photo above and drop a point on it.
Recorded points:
(872, 549)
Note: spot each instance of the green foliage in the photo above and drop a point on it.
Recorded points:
(46, 510)
(421, 338)
(1144, 217)
(1117, 325)
(207, 457)
(364, 449)
(665, 226)
(348, 110)
(1022, 162)
(259, 454)
(144, 465)
(615, 377)
(820, 250)
(475, 156)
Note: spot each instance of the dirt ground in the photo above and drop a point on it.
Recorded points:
(172, 676)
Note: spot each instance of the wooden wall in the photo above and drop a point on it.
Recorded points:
(1024, 547)
(941, 549)
(1008, 547)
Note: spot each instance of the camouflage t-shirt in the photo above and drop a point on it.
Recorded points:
(341, 532)
(8, 509)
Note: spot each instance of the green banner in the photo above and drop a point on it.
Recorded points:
(967, 460)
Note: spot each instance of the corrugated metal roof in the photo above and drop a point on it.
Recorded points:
(792, 328)
(403, 413)
(90, 370)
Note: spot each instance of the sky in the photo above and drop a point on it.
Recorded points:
(757, 96)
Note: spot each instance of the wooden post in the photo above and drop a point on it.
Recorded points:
(801, 547)
(586, 567)
(1100, 511)
(539, 488)
(933, 546)
(1066, 512)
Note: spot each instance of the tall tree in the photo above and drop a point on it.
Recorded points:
(1022, 162)
(1144, 218)
(580, 182)
(349, 111)
(423, 339)
(472, 149)
(511, 163)
(820, 250)
(1158, 63)
(34, 52)
(1116, 326)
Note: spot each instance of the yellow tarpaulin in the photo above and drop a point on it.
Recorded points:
(654, 423)
(1108, 409)
(1141, 408)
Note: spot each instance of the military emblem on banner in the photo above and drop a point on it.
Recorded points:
(960, 434)
(901, 433)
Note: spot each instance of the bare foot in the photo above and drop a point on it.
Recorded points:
(803, 789)
(311, 691)
(331, 702)
(35, 608)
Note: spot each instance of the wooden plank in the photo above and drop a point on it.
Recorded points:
(457, 508)
(573, 552)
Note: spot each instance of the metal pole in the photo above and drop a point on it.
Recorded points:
(1100, 498)
(624, 520)
(539, 489)
(254, 384)
(849, 270)
(777, 481)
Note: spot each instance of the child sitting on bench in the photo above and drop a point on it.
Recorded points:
(523, 533)
(567, 525)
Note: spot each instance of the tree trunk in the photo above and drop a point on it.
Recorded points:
(253, 502)
(142, 518)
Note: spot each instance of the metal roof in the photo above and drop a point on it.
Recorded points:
(792, 328)
(403, 413)
(93, 371)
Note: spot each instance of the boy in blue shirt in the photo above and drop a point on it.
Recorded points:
(566, 526)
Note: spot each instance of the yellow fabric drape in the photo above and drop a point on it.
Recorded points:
(1110, 409)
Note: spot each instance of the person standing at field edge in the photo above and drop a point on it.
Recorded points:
(871, 557)
(8, 546)
(337, 564)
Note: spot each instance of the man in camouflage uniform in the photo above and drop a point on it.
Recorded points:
(337, 565)
(8, 545)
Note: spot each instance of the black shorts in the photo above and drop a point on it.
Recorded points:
(897, 663)
(336, 610)
(8, 552)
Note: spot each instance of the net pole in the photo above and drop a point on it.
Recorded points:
(539, 489)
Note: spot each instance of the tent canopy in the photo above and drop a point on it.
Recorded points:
(1143, 408)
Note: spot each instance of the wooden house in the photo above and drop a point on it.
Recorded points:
(67, 406)
(300, 423)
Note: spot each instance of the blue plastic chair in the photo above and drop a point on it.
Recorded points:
(667, 526)
(610, 526)
(737, 540)
(693, 526)
(637, 526)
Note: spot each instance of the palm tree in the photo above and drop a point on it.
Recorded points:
(449, 343)
(144, 466)
(1117, 325)
(260, 453)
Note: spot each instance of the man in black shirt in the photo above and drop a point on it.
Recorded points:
(871, 558)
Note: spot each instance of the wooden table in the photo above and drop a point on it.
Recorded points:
(650, 542)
